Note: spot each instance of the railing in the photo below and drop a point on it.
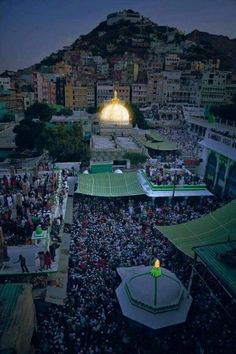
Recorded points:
(222, 139)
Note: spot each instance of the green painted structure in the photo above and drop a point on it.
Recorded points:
(218, 226)
(101, 167)
(210, 256)
(109, 184)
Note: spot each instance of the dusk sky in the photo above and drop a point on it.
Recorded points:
(32, 29)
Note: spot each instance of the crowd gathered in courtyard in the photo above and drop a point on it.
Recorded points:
(26, 202)
(170, 173)
(111, 233)
(187, 144)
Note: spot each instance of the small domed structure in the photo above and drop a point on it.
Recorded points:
(118, 171)
(153, 296)
(38, 231)
(115, 113)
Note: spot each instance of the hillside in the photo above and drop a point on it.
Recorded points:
(214, 46)
(138, 38)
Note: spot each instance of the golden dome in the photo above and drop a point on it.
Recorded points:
(114, 112)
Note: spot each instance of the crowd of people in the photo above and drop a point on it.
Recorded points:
(186, 143)
(170, 173)
(26, 202)
(110, 233)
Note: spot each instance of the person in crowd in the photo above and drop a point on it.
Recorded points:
(47, 260)
(22, 264)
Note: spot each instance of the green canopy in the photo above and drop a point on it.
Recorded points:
(218, 226)
(211, 257)
(109, 184)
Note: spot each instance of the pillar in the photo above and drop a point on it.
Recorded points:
(226, 176)
(217, 171)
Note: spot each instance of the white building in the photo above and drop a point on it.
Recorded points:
(171, 61)
(125, 15)
(139, 94)
(105, 92)
(213, 89)
(5, 83)
(219, 162)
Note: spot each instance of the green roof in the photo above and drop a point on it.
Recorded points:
(109, 184)
(223, 272)
(162, 146)
(156, 142)
(155, 135)
(101, 167)
(215, 227)
(9, 294)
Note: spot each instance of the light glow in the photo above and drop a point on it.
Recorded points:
(114, 112)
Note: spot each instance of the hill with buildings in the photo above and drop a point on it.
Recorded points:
(127, 32)
(145, 62)
(213, 46)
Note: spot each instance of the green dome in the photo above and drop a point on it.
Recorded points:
(38, 231)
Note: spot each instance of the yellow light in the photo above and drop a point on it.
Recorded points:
(114, 112)
(157, 264)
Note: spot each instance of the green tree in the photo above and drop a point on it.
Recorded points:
(27, 134)
(135, 157)
(91, 110)
(137, 116)
(64, 143)
(40, 111)
(225, 112)
(65, 112)
(8, 117)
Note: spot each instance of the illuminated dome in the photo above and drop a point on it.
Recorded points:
(114, 112)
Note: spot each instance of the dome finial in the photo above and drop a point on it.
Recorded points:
(115, 95)
(156, 269)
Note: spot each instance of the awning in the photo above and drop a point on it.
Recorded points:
(109, 184)
(218, 226)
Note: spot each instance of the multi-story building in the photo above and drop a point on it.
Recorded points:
(62, 68)
(104, 92)
(12, 100)
(213, 88)
(91, 95)
(123, 92)
(139, 94)
(125, 15)
(69, 95)
(189, 90)
(230, 92)
(28, 99)
(154, 87)
(170, 84)
(219, 162)
(171, 61)
(44, 87)
(5, 83)
(60, 90)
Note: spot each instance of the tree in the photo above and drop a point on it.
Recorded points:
(64, 143)
(27, 134)
(40, 111)
(91, 110)
(225, 112)
(137, 116)
(8, 117)
(135, 157)
(65, 112)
